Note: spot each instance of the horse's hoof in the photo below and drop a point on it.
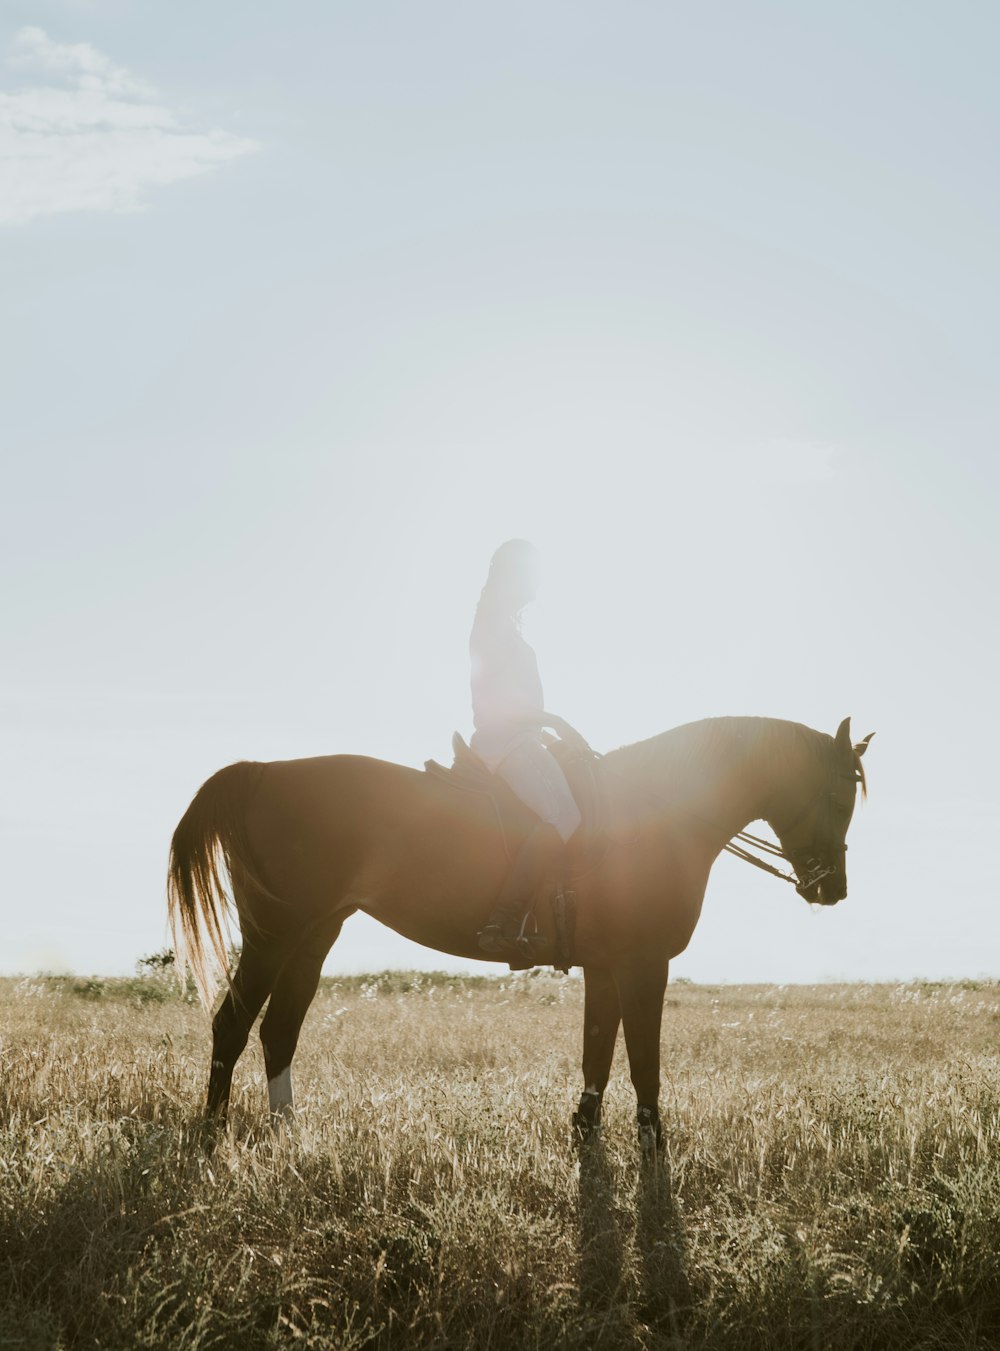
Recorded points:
(650, 1132)
(652, 1153)
(208, 1131)
(587, 1117)
(583, 1132)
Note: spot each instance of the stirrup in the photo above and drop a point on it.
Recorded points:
(522, 946)
(493, 940)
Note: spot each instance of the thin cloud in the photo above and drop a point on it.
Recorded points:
(93, 137)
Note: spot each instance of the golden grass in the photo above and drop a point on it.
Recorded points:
(833, 1173)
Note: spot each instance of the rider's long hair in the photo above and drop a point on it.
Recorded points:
(510, 581)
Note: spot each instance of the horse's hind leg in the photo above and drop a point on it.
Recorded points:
(293, 992)
(231, 1025)
(601, 1018)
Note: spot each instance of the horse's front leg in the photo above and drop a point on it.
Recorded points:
(641, 981)
(601, 1017)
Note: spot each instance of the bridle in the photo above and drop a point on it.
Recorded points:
(812, 870)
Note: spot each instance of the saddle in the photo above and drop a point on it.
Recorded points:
(468, 773)
(515, 820)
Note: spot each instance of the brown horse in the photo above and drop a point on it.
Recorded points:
(306, 843)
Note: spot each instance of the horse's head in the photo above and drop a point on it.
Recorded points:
(814, 841)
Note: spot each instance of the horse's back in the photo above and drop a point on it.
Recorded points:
(321, 824)
(350, 791)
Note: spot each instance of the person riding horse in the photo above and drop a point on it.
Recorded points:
(298, 846)
(510, 738)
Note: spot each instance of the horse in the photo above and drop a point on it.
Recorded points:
(305, 843)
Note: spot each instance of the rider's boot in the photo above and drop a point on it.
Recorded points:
(535, 862)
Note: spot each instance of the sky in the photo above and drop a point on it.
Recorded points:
(307, 308)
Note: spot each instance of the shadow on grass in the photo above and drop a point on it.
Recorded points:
(138, 1246)
(632, 1268)
(603, 1249)
(73, 1260)
(665, 1295)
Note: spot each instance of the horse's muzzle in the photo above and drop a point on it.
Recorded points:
(822, 886)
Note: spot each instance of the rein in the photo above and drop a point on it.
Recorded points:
(738, 851)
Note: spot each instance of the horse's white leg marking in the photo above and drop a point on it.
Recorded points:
(279, 1092)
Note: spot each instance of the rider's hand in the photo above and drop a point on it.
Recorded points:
(579, 744)
(568, 734)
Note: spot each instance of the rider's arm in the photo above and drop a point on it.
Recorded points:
(566, 731)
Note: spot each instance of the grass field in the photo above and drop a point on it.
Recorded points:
(833, 1175)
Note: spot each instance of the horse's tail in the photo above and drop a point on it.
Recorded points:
(210, 838)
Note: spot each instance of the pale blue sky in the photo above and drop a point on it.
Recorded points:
(306, 308)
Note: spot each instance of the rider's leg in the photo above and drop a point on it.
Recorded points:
(536, 776)
(536, 861)
(537, 779)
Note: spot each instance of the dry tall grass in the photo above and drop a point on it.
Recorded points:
(834, 1177)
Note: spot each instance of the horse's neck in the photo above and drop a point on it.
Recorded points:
(720, 774)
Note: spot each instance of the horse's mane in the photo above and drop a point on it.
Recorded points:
(714, 743)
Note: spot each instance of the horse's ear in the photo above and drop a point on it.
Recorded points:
(861, 746)
(843, 738)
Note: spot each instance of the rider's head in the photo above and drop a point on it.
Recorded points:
(514, 575)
